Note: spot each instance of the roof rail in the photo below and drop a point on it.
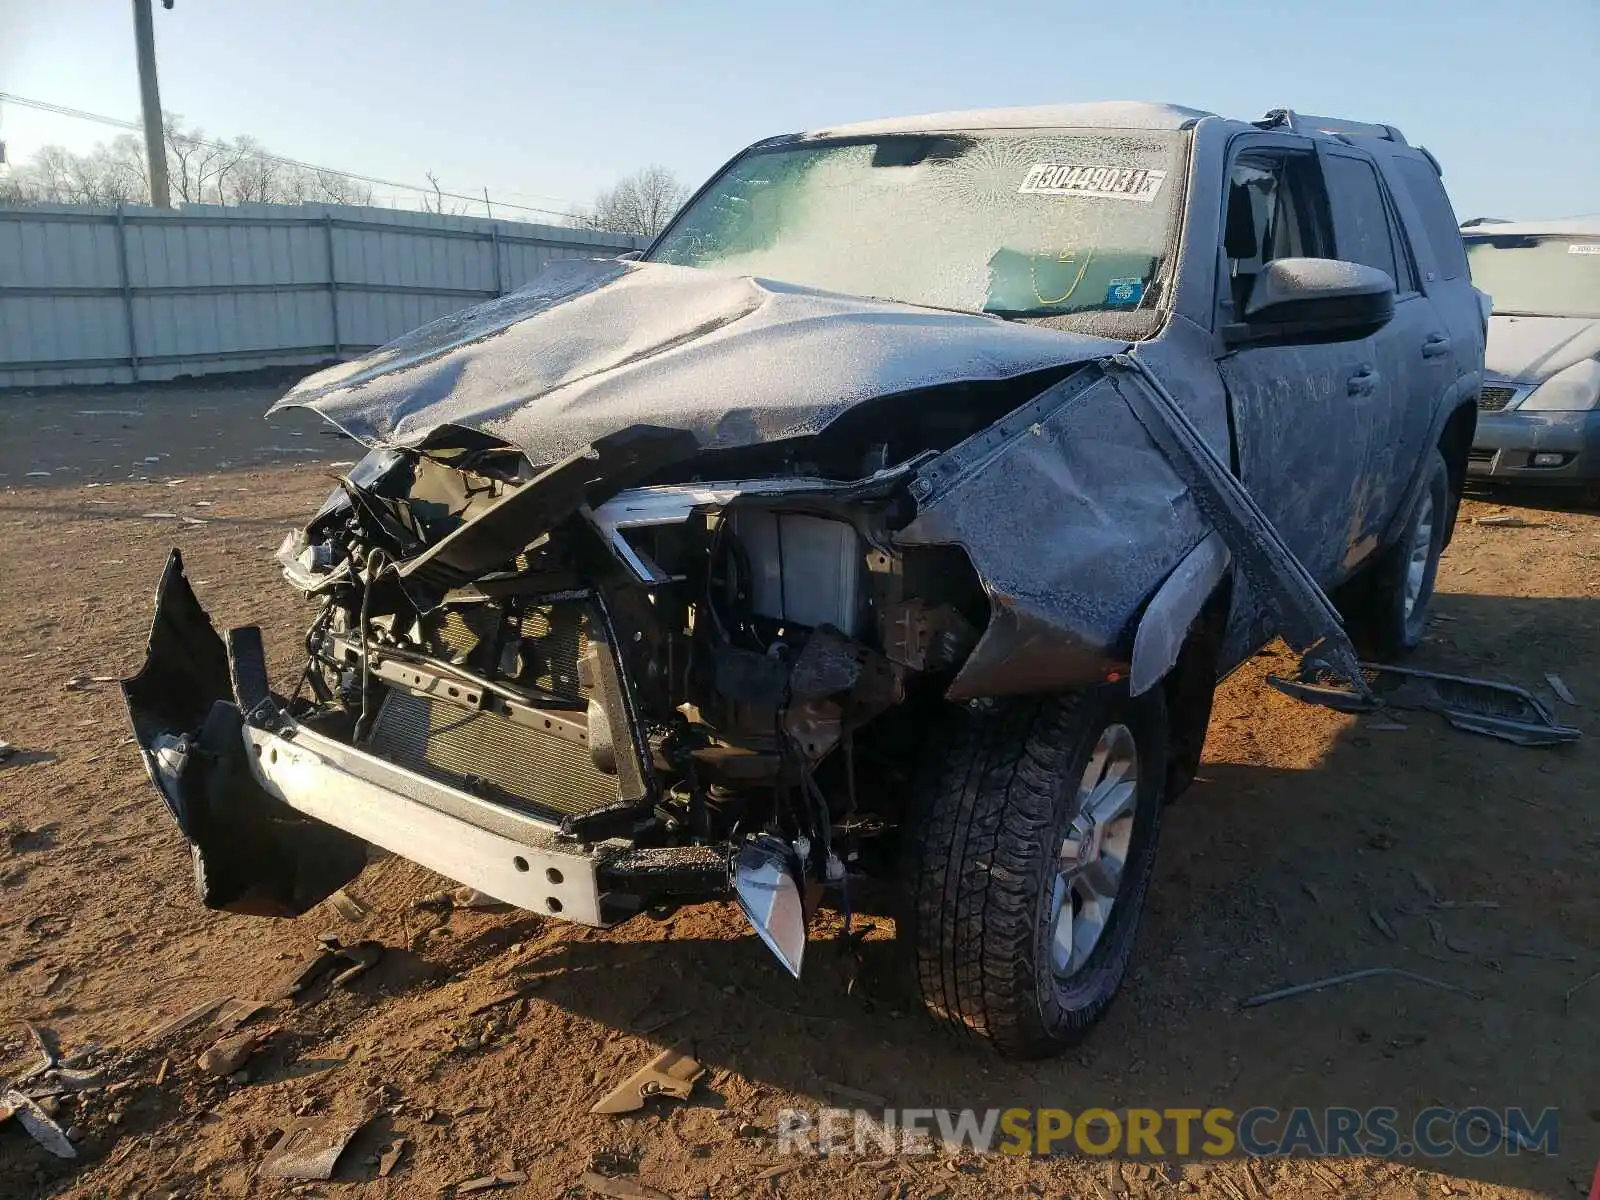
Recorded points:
(1286, 118)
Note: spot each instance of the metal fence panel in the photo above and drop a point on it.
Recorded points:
(102, 295)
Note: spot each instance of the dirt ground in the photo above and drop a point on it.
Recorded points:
(1305, 824)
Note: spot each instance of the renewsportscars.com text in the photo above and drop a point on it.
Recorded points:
(1164, 1132)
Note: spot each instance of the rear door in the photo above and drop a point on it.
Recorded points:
(1304, 431)
(1413, 353)
(1441, 257)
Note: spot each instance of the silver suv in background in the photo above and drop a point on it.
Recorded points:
(1539, 412)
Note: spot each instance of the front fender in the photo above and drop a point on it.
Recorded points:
(1071, 518)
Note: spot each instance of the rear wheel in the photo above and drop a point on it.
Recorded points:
(1389, 604)
(1032, 849)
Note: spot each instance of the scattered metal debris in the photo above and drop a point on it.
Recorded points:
(1507, 521)
(470, 897)
(182, 1021)
(670, 1073)
(1566, 1000)
(655, 1024)
(1560, 688)
(1318, 985)
(461, 897)
(502, 1179)
(335, 965)
(1485, 706)
(236, 1012)
(39, 1125)
(1437, 929)
(348, 907)
(310, 1150)
(389, 1157)
(1424, 885)
(619, 1188)
(1550, 955)
(1507, 1135)
(870, 1099)
(47, 1050)
(1381, 924)
(362, 957)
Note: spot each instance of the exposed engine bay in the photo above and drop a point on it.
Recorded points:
(677, 665)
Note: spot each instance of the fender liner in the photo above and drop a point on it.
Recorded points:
(1173, 610)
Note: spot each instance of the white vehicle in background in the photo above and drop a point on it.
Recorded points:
(1539, 411)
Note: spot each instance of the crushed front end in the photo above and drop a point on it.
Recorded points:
(677, 663)
(582, 695)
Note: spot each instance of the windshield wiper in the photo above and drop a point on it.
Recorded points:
(1015, 314)
(965, 312)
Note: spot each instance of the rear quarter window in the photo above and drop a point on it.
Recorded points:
(1439, 223)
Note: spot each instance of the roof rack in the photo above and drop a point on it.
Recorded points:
(1285, 118)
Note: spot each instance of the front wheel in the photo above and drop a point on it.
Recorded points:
(1389, 610)
(1031, 849)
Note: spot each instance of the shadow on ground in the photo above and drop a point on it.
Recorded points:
(1456, 857)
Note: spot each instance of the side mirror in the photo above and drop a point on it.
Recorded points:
(1315, 299)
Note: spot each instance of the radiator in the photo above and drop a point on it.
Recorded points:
(460, 746)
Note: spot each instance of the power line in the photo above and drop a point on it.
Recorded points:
(63, 110)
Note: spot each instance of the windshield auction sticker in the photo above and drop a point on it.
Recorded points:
(1103, 183)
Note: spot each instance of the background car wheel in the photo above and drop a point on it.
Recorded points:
(1031, 848)
(1388, 607)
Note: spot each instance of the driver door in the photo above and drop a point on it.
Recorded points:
(1302, 414)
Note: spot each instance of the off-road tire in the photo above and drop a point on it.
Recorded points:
(1376, 606)
(986, 829)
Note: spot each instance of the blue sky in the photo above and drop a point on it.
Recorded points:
(544, 103)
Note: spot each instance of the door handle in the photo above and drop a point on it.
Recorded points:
(1434, 345)
(1363, 383)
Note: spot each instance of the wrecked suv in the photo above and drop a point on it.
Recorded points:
(895, 516)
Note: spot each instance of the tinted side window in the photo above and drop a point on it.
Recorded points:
(1438, 220)
(1274, 209)
(1360, 220)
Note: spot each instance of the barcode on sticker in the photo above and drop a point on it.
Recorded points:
(1109, 183)
(1584, 248)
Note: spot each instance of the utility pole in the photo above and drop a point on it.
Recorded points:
(155, 147)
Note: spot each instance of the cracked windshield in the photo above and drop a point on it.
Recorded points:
(1017, 226)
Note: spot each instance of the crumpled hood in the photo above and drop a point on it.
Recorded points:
(593, 347)
(1531, 349)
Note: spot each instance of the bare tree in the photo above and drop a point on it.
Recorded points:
(640, 204)
(108, 174)
(334, 188)
(435, 203)
(202, 170)
(197, 165)
(256, 178)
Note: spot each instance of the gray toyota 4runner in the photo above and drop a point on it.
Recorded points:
(895, 516)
